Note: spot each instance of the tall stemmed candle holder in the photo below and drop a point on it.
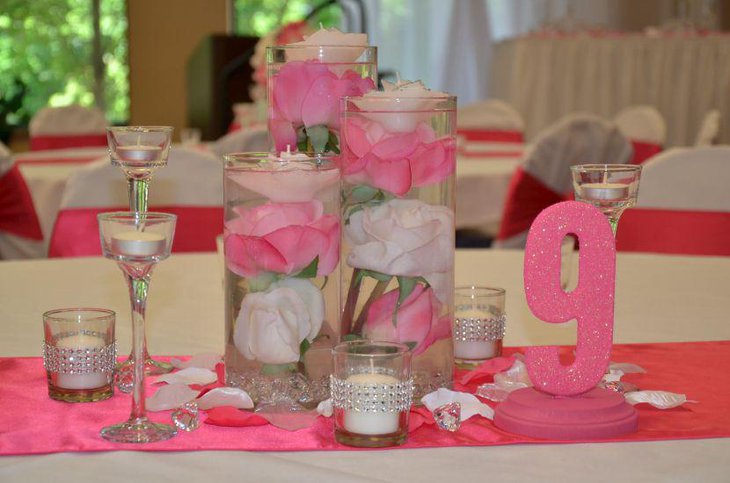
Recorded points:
(139, 151)
(609, 187)
(137, 241)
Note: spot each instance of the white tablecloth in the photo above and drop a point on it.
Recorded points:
(658, 299)
(683, 77)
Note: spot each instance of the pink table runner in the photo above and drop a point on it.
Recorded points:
(31, 423)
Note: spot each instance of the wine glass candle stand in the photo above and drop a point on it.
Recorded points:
(139, 151)
(137, 241)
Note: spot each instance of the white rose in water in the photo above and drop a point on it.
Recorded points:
(405, 237)
(271, 325)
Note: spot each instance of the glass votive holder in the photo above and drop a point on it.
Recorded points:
(372, 391)
(479, 324)
(79, 354)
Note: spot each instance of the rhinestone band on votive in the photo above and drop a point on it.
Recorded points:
(372, 398)
(79, 361)
(474, 329)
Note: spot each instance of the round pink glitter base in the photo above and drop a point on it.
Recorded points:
(596, 414)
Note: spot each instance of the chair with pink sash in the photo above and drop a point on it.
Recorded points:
(644, 126)
(544, 176)
(67, 127)
(709, 129)
(190, 186)
(491, 121)
(683, 205)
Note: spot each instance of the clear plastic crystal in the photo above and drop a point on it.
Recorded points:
(287, 415)
(186, 417)
(448, 416)
(620, 387)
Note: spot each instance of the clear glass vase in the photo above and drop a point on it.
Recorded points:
(305, 84)
(282, 247)
(398, 163)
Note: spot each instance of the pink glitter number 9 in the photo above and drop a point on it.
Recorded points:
(591, 303)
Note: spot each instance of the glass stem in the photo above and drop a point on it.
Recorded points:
(138, 297)
(138, 191)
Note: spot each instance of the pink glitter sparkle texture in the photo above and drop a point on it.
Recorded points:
(591, 303)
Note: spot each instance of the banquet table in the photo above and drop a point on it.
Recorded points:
(684, 76)
(658, 299)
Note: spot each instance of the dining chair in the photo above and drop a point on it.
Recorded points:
(644, 126)
(683, 205)
(544, 178)
(250, 139)
(492, 120)
(190, 186)
(709, 128)
(67, 127)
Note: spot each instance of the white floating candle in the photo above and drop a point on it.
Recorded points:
(315, 46)
(604, 191)
(138, 243)
(139, 152)
(371, 423)
(91, 380)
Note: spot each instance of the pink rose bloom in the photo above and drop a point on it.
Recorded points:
(418, 322)
(282, 238)
(307, 93)
(395, 162)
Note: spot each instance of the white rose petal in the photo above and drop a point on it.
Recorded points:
(658, 399)
(312, 298)
(170, 397)
(191, 375)
(225, 396)
(206, 360)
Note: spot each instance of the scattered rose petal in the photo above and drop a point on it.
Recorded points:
(225, 396)
(170, 397)
(419, 416)
(626, 368)
(228, 416)
(658, 399)
(191, 375)
(470, 405)
(220, 370)
(613, 375)
(325, 408)
(488, 368)
(205, 360)
(287, 415)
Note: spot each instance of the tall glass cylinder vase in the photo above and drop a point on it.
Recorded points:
(282, 248)
(305, 84)
(398, 163)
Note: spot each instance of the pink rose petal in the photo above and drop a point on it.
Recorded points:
(232, 417)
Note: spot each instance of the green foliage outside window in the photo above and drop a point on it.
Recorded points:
(46, 48)
(259, 17)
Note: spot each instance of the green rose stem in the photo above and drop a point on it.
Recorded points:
(352, 293)
(374, 295)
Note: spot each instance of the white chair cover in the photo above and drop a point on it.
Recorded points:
(642, 123)
(72, 119)
(252, 139)
(544, 176)
(709, 128)
(490, 114)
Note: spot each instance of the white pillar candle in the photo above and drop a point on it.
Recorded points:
(91, 380)
(475, 349)
(371, 423)
(139, 152)
(138, 243)
(604, 191)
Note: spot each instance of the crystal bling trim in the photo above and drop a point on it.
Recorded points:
(79, 361)
(474, 329)
(371, 398)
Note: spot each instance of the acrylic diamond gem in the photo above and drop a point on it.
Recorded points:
(186, 417)
(448, 416)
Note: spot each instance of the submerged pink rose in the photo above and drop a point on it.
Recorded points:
(282, 238)
(307, 93)
(395, 162)
(417, 322)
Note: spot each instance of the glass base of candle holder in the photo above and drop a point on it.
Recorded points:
(370, 440)
(80, 395)
(138, 431)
